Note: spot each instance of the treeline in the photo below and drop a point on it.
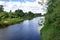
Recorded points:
(8, 18)
(51, 29)
(16, 14)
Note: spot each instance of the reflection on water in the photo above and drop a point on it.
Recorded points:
(27, 30)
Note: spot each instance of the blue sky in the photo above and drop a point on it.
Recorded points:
(20, 0)
(25, 5)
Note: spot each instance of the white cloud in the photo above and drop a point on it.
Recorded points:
(1, 2)
(25, 6)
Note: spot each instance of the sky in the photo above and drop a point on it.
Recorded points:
(25, 5)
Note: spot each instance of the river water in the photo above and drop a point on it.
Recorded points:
(26, 30)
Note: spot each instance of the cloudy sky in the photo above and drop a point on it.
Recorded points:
(25, 5)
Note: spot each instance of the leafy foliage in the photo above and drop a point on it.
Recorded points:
(51, 29)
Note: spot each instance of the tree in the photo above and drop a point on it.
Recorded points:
(30, 13)
(52, 21)
(1, 8)
(19, 12)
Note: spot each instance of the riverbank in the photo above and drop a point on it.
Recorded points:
(10, 21)
(51, 29)
(10, 18)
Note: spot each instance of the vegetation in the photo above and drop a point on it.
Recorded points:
(51, 29)
(9, 18)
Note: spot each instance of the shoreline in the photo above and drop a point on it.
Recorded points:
(12, 21)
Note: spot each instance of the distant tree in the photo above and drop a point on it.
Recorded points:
(1, 8)
(10, 11)
(19, 12)
(6, 14)
(30, 13)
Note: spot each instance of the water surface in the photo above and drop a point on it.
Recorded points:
(26, 30)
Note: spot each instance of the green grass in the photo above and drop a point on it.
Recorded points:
(10, 21)
(51, 32)
(14, 20)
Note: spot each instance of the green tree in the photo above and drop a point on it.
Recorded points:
(1, 8)
(30, 13)
(19, 12)
(52, 21)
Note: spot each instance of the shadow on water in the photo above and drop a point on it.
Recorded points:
(27, 30)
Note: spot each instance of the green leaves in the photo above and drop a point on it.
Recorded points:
(52, 21)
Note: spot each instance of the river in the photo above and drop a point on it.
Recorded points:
(26, 30)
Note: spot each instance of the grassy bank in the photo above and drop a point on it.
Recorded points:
(11, 21)
(9, 18)
(51, 29)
